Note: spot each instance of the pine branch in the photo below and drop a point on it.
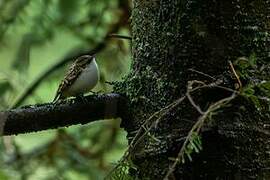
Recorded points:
(49, 116)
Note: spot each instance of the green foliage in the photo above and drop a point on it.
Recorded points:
(258, 93)
(123, 171)
(35, 35)
(264, 88)
(245, 65)
(194, 145)
(256, 77)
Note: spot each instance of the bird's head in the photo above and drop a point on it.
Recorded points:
(85, 59)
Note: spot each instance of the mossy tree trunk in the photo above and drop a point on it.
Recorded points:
(177, 41)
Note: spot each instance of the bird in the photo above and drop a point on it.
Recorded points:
(81, 77)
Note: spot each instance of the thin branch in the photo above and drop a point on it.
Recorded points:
(236, 75)
(198, 108)
(213, 85)
(160, 114)
(189, 88)
(153, 120)
(201, 120)
(202, 73)
(197, 128)
(120, 36)
(48, 116)
(143, 130)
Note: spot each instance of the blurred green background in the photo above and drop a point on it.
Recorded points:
(35, 35)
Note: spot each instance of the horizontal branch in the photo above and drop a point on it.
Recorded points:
(70, 112)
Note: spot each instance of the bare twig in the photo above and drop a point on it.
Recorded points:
(213, 85)
(202, 73)
(193, 103)
(143, 130)
(189, 88)
(120, 36)
(161, 113)
(196, 128)
(236, 75)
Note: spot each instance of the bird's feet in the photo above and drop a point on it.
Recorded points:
(58, 102)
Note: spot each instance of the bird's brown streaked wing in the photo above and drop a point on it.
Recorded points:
(72, 74)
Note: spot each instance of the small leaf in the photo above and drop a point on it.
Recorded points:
(196, 149)
(249, 90)
(265, 88)
(189, 157)
(252, 59)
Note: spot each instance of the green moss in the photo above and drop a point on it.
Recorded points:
(169, 38)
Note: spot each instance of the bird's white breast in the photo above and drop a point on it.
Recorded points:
(86, 81)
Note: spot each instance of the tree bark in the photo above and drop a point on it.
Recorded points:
(175, 42)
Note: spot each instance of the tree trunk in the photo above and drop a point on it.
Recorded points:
(176, 42)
